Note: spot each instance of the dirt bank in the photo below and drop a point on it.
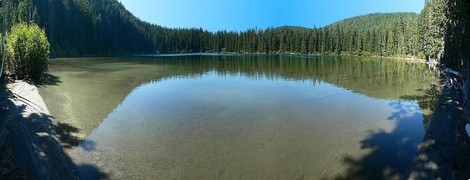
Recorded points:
(31, 148)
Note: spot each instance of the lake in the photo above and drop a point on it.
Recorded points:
(213, 116)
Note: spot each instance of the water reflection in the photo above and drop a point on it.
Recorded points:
(293, 116)
(373, 77)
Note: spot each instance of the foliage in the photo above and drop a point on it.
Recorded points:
(432, 28)
(105, 27)
(27, 51)
(457, 40)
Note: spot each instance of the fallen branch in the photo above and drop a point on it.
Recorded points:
(449, 70)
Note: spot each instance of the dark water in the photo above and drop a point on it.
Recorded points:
(241, 116)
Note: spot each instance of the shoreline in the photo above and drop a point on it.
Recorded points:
(444, 151)
(32, 148)
(408, 59)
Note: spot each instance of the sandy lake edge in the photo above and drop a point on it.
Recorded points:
(31, 148)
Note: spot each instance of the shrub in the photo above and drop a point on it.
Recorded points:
(27, 52)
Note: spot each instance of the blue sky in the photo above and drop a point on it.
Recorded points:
(239, 15)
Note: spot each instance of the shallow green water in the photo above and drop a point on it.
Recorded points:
(239, 117)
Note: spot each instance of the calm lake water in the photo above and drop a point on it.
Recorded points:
(240, 116)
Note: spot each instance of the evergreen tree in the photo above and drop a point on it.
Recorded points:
(105, 27)
(432, 24)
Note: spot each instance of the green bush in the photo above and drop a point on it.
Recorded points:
(27, 52)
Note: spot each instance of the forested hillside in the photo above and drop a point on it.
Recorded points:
(381, 34)
(84, 27)
(105, 27)
(371, 35)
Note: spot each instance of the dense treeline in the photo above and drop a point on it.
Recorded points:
(370, 35)
(101, 27)
(105, 27)
(84, 27)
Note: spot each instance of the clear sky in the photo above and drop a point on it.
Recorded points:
(239, 15)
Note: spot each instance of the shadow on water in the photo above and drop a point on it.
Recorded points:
(88, 171)
(48, 80)
(438, 154)
(33, 145)
(65, 133)
(392, 153)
